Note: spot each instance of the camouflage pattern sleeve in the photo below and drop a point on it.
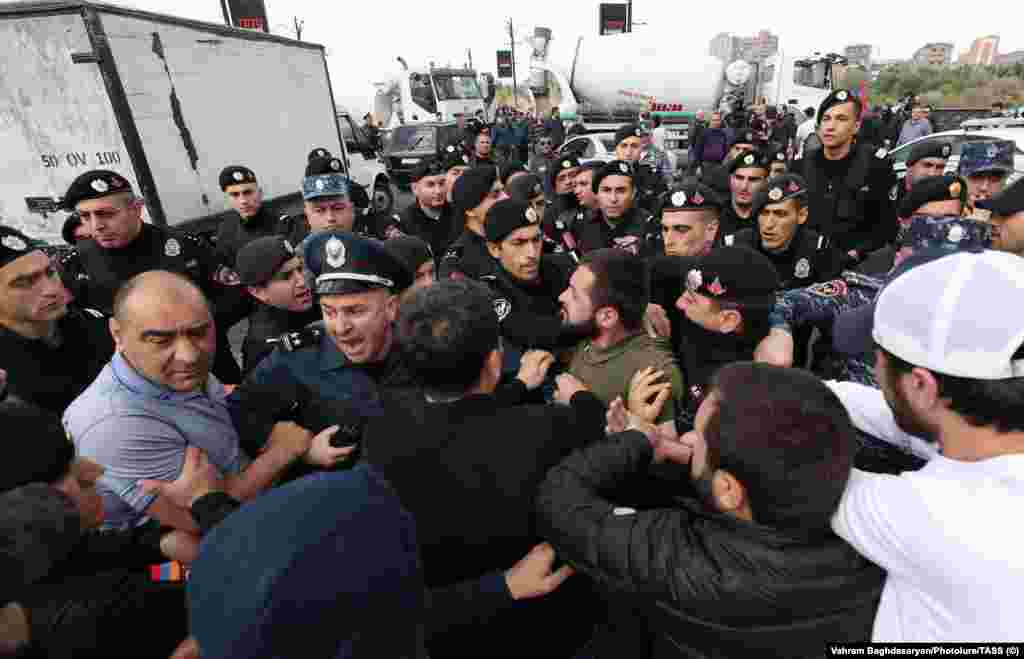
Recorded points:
(816, 305)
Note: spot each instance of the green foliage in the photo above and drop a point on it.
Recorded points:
(952, 86)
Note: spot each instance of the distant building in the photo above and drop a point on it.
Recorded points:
(1016, 57)
(722, 46)
(729, 48)
(934, 54)
(860, 55)
(983, 52)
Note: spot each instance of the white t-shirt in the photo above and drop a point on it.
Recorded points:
(951, 540)
(870, 414)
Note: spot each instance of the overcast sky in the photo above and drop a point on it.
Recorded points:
(363, 37)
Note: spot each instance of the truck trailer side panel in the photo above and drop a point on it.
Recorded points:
(56, 120)
(202, 100)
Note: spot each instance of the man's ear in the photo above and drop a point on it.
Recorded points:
(802, 214)
(494, 249)
(730, 495)
(920, 389)
(730, 321)
(116, 331)
(606, 317)
(391, 308)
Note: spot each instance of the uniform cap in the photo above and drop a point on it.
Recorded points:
(929, 149)
(412, 251)
(508, 168)
(235, 175)
(614, 168)
(506, 216)
(45, 459)
(94, 185)
(981, 156)
(838, 97)
(947, 187)
(692, 196)
(1007, 202)
(428, 168)
(259, 261)
(629, 130)
(778, 190)
(525, 188)
(325, 185)
(456, 157)
(326, 165)
(341, 262)
(318, 152)
(734, 274)
(756, 158)
(566, 162)
(473, 187)
(14, 244)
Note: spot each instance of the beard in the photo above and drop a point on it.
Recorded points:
(585, 329)
(905, 418)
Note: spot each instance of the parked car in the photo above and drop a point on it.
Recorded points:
(411, 144)
(595, 146)
(956, 138)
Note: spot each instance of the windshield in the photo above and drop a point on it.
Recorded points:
(412, 138)
(455, 87)
(811, 74)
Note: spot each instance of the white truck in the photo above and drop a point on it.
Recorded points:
(165, 101)
(429, 94)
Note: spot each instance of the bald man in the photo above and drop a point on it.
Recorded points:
(157, 396)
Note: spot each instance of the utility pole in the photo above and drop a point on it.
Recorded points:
(512, 41)
(469, 51)
(298, 27)
(629, 16)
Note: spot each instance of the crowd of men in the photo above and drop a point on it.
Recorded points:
(553, 408)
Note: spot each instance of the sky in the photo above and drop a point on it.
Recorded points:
(363, 38)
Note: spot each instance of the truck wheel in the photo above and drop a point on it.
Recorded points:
(383, 199)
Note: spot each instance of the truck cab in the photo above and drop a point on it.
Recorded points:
(365, 163)
(431, 95)
(803, 82)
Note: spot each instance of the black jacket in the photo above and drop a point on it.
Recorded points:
(850, 199)
(709, 585)
(809, 259)
(439, 233)
(530, 315)
(266, 323)
(233, 233)
(467, 257)
(730, 223)
(51, 376)
(637, 231)
(467, 471)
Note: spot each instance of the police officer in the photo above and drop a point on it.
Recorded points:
(455, 162)
(430, 217)
(475, 192)
(985, 164)
(748, 173)
(690, 220)
(650, 186)
(1007, 218)
(123, 246)
(526, 282)
(619, 222)
(416, 255)
(849, 183)
(800, 255)
(272, 274)
(777, 159)
(250, 220)
(559, 237)
(559, 189)
(716, 175)
(927, 158)
(318, 152)
(51, 350)
(478, 137)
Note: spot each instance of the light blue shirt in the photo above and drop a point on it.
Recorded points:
(139, 430)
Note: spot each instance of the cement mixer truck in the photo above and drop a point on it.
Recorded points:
(430, 94)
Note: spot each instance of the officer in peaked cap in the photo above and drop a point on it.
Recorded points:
(800, 255)
(849, 183)
(619, 222)
(122, 246)
(348, 355)
(985, 164)
(927, 158)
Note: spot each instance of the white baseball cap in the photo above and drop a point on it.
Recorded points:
(961, 315)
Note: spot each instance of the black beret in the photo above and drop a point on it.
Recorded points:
(473, 187)
(14, 244)
(508, 168)
(93, 185)
(734, 274)
(427, 168)
(629, 130)
(929, 149)
(614, 168)
(259, 260)
(454, 156)
(525, 188)
(318, 152)
(44, 459)
(412, 251)
(692, 196)
(506, 216)
(342, 262)
(757, 158)
(235, 175)
(779, 189)
(948, 187)
(776, 154)
(566, 162)
(325, 165)
(838, 97)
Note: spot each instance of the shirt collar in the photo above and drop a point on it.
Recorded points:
(330, 357)
(126, 374)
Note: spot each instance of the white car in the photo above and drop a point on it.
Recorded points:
(956, 138)
(596, 146)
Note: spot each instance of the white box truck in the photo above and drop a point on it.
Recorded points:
(165, 101)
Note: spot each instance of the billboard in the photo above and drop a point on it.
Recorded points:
(249, 14)
(504, 63)
(613, 19)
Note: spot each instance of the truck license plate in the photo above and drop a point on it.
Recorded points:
(410, 161)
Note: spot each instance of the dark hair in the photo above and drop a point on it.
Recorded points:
(982, 403)
(620, 282)
(810, 112)
(787, 437)
(446, 331)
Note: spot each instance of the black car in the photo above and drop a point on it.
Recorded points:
(411, 144)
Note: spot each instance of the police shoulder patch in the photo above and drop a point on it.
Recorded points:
(453, 253)
(729, 240)
(502, 308)
(881, 153)
(832, 289)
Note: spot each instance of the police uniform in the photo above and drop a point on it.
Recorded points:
(809, 257)
(467, 256)
(986, 157)
(51, 372)
(307, 366)
(439, 233)
(637, 231)
(234, 232)
(689, 196)
(558, 204)
(851, 199)
(729, 223)
(923, 149)
(650, 186)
